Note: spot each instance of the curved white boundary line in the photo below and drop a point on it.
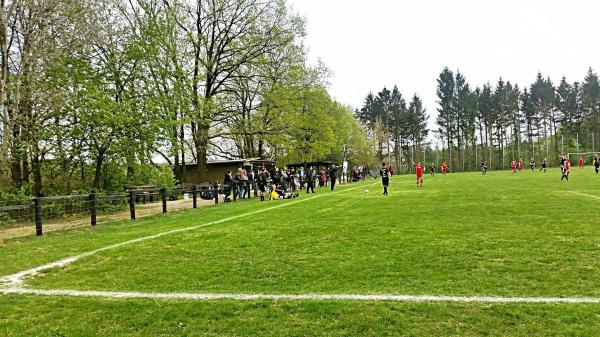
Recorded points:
(16, 280)
(299, 297)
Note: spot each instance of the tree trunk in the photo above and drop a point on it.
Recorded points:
(182, 149)
(201, 145)
(177, 168)
(261, 151)
(37, 170)
(98, 173)
(6, 125)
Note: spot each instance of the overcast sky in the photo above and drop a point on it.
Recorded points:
(369, 44)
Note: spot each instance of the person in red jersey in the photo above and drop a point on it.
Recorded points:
(444, 168)
(581, 162)
(419, 174)
(513, 166)
(520, 165)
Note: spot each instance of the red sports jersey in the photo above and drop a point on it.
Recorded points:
(514, 164)
(520, 164)
(419, 170)
(580, 162)
(567, 164)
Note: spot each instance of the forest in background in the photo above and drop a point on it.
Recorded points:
(492, 123)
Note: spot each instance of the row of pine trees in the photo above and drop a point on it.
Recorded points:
(492, 123)
(500, 123)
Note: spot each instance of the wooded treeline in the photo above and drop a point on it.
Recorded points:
(397, 128)
(493, 123)
(501, 122)
(95, 93)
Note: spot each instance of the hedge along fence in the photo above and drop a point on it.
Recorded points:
(40, 209)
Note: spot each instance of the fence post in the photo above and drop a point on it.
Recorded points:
(163, 195)
(93, 205)
(195, 196)
(132, 205)
(37, 204)
(216, 193)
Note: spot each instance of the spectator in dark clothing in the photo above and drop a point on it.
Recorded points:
(227, 186)
(310, 181)
(333, 175)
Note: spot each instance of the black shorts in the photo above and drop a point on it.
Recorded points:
(385, 181)
(261, 187)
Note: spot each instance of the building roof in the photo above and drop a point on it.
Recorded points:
(313, 163)
(234, 161)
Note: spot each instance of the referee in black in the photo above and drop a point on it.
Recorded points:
(385, 178)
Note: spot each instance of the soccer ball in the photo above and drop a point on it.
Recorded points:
(366, 190)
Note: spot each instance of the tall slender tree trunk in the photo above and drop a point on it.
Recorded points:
(98, 171)
(201, 145)
(4, 71)
(37, 169)
(182, 150)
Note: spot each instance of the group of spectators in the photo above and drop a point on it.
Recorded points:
(360, 173)
(276, 183)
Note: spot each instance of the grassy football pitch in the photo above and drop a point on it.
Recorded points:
(465, 255)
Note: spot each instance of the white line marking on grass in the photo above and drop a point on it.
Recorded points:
(298, 297)
(585, 195)
(16, 280)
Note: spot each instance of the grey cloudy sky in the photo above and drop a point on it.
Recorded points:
(371, 44)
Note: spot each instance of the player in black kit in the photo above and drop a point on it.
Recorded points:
(385, 178)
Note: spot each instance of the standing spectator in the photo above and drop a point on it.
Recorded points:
(310, 181)
(302, 176)
(239, 183)
(263, 181)
(254, 182)
(333, 175)
(227, 186)
(391, 170)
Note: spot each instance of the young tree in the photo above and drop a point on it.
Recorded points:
(419, 128)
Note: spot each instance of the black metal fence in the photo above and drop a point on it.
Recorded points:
(42, 209)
